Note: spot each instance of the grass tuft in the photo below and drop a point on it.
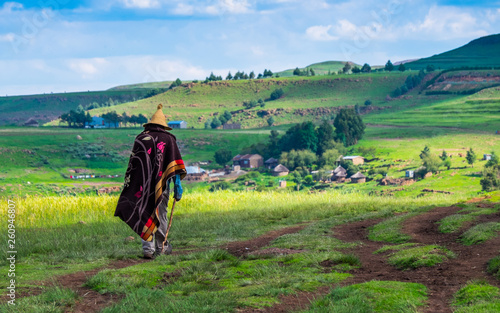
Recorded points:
(419, 256)
(480, 233)
(477, 297)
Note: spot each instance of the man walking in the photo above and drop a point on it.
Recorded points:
(154, 163)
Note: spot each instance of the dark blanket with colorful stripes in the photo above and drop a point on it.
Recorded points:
(154, 160)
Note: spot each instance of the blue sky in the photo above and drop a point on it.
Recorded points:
(65, 45)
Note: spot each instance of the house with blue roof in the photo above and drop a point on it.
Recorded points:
(177, 124)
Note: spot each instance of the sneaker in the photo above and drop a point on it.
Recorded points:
(168, 249)
(149, 256)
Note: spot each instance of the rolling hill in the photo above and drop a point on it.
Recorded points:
(481, 52)
(322, 68)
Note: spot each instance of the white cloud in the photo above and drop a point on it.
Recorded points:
(87, 68)
(229, 6)
(183, 9)
(11, 6)
(446, 23)
(141, 4)
(7, 37)
(320, 33)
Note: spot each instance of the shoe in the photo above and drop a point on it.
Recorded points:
(167, 249)
(149, 256)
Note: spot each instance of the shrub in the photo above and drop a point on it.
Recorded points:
(276, 94)
(220, 185)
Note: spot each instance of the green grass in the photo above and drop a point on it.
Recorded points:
(53, 300)
(410, 256)
(373, 296)
(494, 267)
(453, 223)
(255, 282)
(477, 297)
(480, 233)
(390, 230)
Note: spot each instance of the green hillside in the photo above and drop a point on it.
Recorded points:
(480, 111)
(481, 52)
(322, 68)
(305, 98)
(47, 107)
(151, 85)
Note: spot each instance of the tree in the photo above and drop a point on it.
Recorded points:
(431, 163)
(471, 157)
(430, 68)
(276, 94)
(297, 72)
(227, 115)
(252, 75)
(424, 153)
(142, 119)
(447, 163)
(229, 76)
(112, 118)
(298, 158)
(401, 67)
(207, 124)
(443, 155)
(296, 177)
(215, 123)
(494, 161)
(308, 180)
(222, 119)
(349, 126)
(261, 103)
(365, 151)
(299, 137)
(356, 70)
(312, 72)
(366, 68)
(325, 134)
(389, 66)
(222, 156)
(249, 104)
(329, 157)
(347, 67)
(270, 121)
(368, 102)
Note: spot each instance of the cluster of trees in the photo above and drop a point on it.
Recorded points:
(491, 174)
(306, 72)
(365, 69)
(218, 120)
(432, 163)
(76, 118)
(252, 104)
(174, 84)
(242, 75)
(411, 82)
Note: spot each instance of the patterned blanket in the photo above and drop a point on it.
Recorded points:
(154, 160)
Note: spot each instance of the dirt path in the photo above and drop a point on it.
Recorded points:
(442, 280)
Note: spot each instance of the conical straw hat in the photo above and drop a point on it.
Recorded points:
(158, 118)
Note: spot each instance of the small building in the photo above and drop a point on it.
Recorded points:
(177, 124)
(280, 170)
(410, 174)
(358, 178)
(271, 163)
(232, 126)
(99, 122)
(487, 157)
(356, 159)
(248, 161)
(282, 184)
(31, 123)
(339, 174)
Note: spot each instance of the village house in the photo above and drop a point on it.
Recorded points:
(358, 178)
(248, 161)
(31, 123)
(487, 157)
(195, 174)
(339, 174)
(280, 170)
(271, 163)
(232, 126)
(177, 124)
(356, 159)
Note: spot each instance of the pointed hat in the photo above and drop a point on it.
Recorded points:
(158, 118)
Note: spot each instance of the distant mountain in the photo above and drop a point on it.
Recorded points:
(481, 52)
(319, 68)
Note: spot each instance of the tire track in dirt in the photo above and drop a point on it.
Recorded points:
(442, 280)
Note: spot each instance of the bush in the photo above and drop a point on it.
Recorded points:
(220, 185)
(276, 94)
(368, 102)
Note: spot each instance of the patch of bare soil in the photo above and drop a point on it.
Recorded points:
(442, 280)
(242, 248)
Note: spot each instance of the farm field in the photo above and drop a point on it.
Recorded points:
(273, 251)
